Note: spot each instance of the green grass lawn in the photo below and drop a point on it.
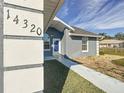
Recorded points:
(112, 51)
(119, 62)
(59, 79)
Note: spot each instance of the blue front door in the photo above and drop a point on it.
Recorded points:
(56, 46)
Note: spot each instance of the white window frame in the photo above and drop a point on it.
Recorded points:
(87, 45)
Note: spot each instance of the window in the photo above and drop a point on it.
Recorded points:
(46, 45)
(46, 42)
(84, 44)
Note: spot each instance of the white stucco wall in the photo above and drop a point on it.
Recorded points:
(22, 47)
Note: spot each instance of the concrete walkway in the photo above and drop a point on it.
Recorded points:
(104, 82)
(49, 58)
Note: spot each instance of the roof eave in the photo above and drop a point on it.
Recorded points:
(73, 34)
(58, 5)
(68, 26)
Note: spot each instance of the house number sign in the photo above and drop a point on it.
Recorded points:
(19, 22)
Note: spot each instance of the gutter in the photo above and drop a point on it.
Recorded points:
(72, 34)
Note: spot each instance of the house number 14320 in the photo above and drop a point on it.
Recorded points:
(33, 27)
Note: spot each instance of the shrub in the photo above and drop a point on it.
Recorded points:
(101, 53)
(119, 62)
(113, 51)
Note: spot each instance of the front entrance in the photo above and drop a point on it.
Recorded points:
(56, 47)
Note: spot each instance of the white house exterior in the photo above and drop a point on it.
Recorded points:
(62, 39)
(22, 24)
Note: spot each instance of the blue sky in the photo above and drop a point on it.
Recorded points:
(94, 15)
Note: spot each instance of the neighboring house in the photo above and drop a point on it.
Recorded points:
(63, 39)
(112, 43)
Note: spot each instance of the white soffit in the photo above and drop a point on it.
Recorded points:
(60, 25)
(59, 20)
(51, 8)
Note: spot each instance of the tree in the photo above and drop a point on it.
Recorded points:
(105, 36)
(119, 36)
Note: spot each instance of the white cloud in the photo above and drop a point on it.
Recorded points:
(65, 9)
(88, 9)
(118, 24)
(100, 14)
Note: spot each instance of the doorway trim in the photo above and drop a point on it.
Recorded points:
(59, 45)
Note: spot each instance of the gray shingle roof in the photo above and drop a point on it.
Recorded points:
(82, 31)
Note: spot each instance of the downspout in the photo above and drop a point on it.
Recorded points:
(66, 41)
(97, 46)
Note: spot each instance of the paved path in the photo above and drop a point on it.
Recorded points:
(104, 82)
(49, 58)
